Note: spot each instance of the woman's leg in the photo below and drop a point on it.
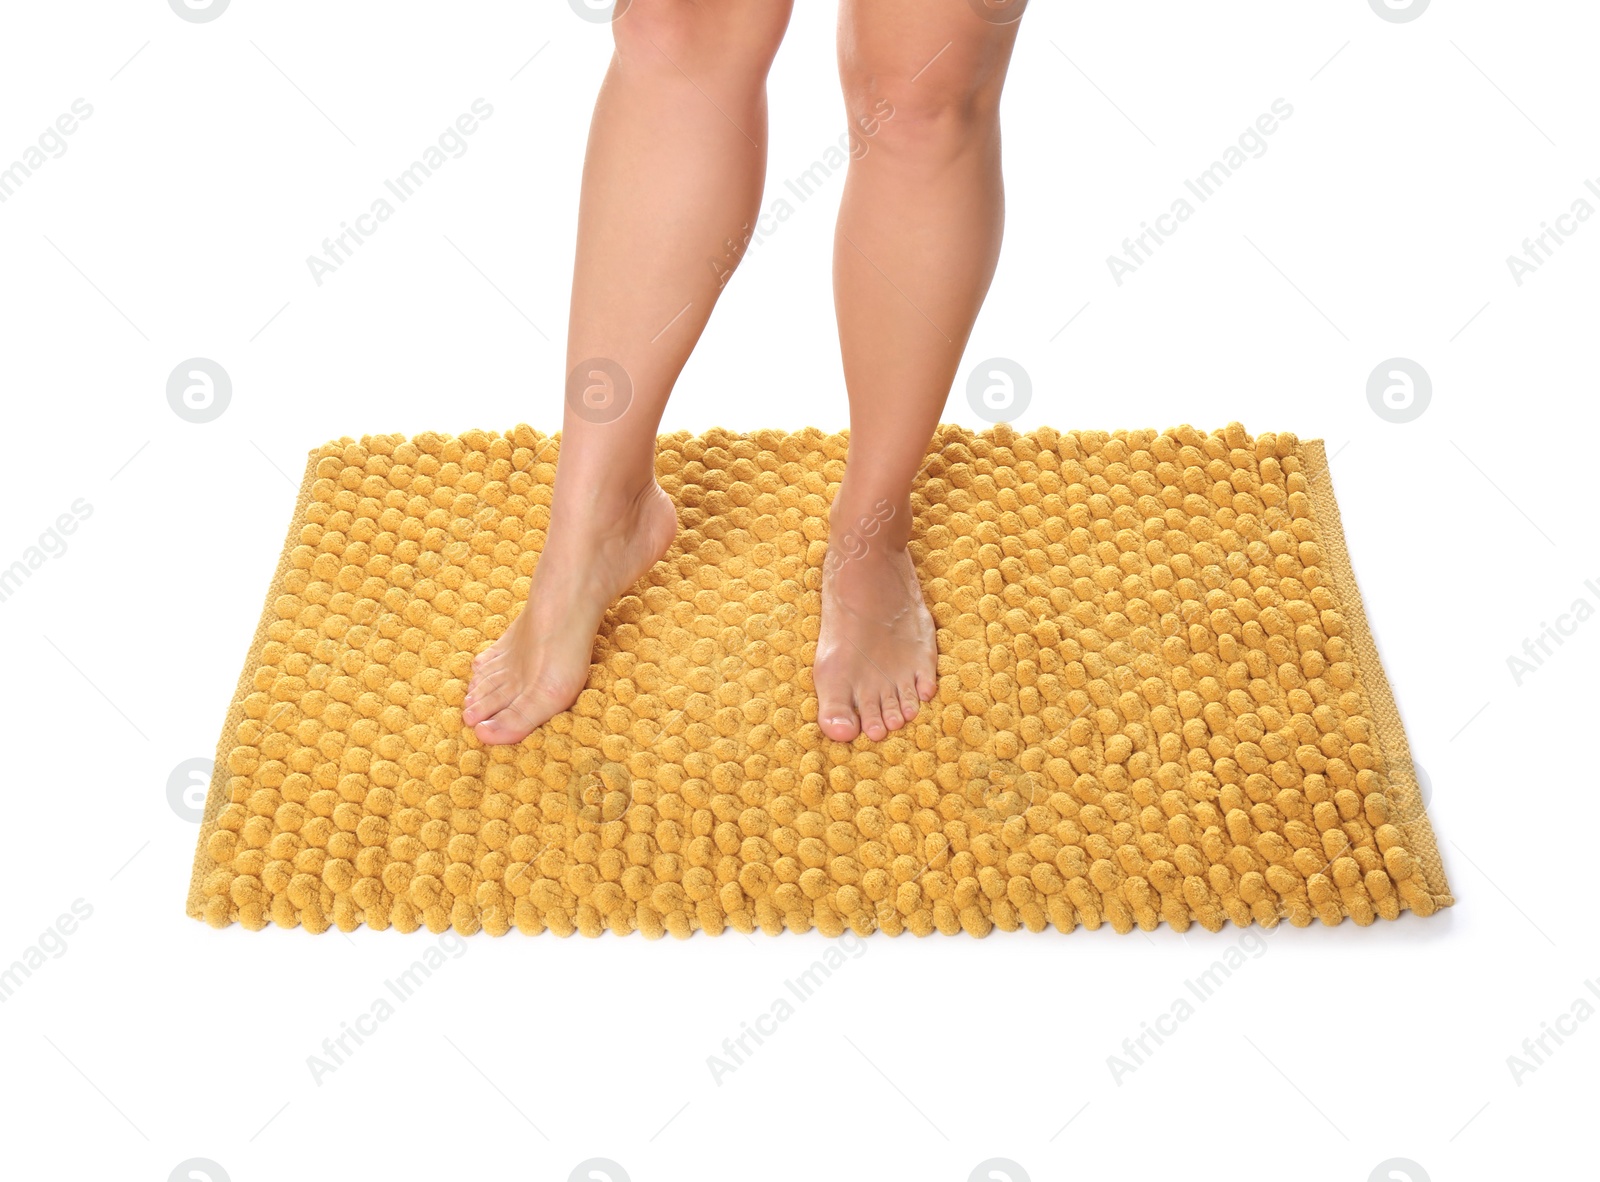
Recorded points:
(918, 237)
(675, 166)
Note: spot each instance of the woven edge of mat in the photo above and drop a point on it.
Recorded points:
(217, 794)
(1392, 740)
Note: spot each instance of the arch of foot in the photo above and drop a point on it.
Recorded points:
(1148, 709)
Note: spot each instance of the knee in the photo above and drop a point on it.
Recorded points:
(732, 39)
(950, 104)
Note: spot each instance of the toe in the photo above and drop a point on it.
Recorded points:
(491, 652)
(841, 728)
(487, 697)
(927, 686)
(512, 724)
(910, 705)
(836, 718)
(836, 715)
(483, 675)
(872, 718)
(889, 707)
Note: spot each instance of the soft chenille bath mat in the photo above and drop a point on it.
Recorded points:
(1158, 701)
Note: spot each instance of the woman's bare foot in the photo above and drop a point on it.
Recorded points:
(540, 665)
(877, 655)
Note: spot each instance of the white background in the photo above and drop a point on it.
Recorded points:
(177, 224)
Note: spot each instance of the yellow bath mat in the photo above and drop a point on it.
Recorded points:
(1158, 701)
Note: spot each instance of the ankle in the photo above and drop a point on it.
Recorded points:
(858, 521)
(612, 499)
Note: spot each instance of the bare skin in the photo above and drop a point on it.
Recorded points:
(675, 163)
(539, 666)
(877, 655)
(676, 159)
(915, 249)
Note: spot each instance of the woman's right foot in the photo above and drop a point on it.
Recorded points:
(540, 665)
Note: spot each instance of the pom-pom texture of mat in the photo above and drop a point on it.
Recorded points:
(1158, 701)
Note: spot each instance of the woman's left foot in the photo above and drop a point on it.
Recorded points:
(877, 656)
